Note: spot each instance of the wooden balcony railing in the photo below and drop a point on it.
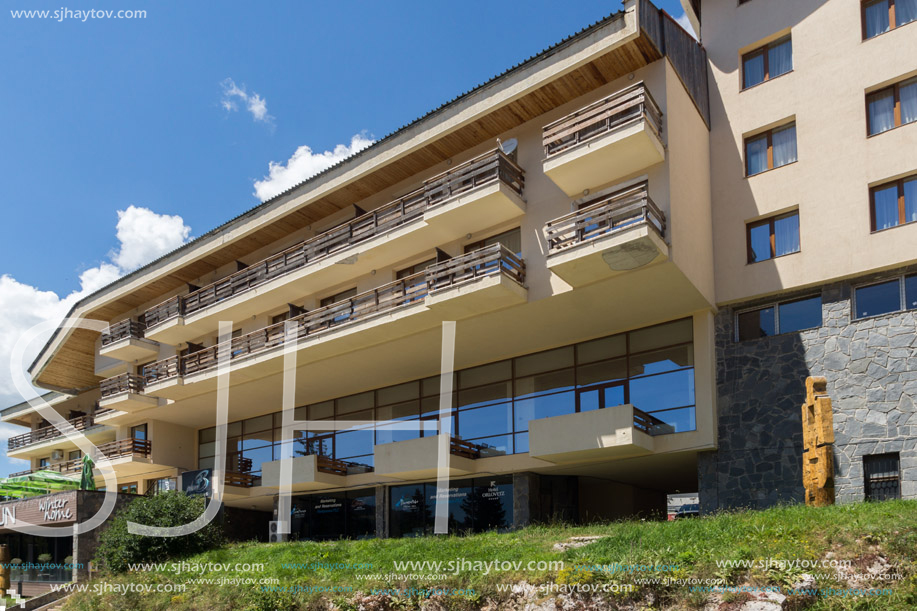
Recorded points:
(240, 480)
(126, 447)
(126, 382)
(326, 464)
(465, 449)
(650, 424)
(605, 215)
(45, 433)
(488, 168)
(122, 330)
(626, 107)
(488, 261)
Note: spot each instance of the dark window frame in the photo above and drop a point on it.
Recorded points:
(896, 92)
(902, 296)
(769, 134)
(902, 210)
(771, 221)
(776, 305)
(892, 19)
(765, 51)
(870, 463)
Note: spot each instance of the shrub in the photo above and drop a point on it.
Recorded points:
(118, 548)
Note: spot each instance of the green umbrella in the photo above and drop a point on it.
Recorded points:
(87, 481)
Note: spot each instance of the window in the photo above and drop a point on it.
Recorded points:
(129, 488)
(74, 455)
(280, 318)
(892, 106)
(767, 62)
(43, 463)
(414, 269)
(138, 432)
(773, 237)
(512, 239)
(886, 297)
(772, 149)
(330, 299)
(880, 16)
(784, 317)
(893, 203)
(882, 477)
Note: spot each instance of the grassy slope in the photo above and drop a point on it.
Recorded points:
(795, 532)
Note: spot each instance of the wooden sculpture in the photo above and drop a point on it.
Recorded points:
(818, 442)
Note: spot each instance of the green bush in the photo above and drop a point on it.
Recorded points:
(118, 548)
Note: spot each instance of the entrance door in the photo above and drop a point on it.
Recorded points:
(600, 397)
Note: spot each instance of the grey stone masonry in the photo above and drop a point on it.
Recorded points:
(871, 368)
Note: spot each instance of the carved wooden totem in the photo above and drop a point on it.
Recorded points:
(818, 442)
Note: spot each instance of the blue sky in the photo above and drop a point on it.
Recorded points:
(182, 112)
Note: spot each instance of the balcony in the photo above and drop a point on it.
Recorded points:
(125, 393)
(609, 235)
(46, 433)
(605, 434)
(605, 141)
(419, 458)
(115, 450)
(481, 193)
(313, 472)
(125, 341)
(484, 280)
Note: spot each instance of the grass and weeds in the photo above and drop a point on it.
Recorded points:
(687, 551)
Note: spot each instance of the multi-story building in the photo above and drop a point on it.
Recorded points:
(813, 150)
(645, 244)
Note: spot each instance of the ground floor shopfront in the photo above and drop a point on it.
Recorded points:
(494, 502)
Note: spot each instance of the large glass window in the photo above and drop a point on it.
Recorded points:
(773, 237)
(474, 506)
(767, 62)
(771, 149)
(784, 317)
(877, 299)
(492, 405)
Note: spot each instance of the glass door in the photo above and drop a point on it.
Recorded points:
(600, 397)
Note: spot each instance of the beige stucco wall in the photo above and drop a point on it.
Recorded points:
(832, 69)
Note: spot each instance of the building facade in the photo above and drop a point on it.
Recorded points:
(638, 238)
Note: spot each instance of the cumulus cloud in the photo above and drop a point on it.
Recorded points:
(683, 21)
(235, 96)
(143, 236)
(303, 164)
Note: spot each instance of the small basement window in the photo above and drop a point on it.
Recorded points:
(882, 477)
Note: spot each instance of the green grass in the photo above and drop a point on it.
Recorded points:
(855, 532)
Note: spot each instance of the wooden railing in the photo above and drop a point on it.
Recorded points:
(122, 330)
(45, 433)
(604, 215)
(465, 449)
(650, 424)
(488, 168)
(488, 261)
(126, 382)
(240, 480)
(626, 107)
(126, 447)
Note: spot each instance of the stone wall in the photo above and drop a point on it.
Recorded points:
(871, 367)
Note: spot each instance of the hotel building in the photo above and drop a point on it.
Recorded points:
(646, 244)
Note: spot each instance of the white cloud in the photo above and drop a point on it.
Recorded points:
(143, 236)
(683, 21)
(253, 103)
(303, 164)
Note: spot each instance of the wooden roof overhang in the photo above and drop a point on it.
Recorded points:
(599, 54)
